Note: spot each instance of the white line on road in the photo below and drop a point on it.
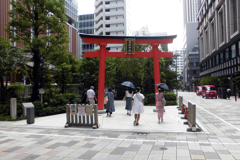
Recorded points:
(216, 117)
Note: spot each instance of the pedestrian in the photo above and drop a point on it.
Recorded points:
(128, 97)
(228, 93)
(137, 105)
(160, 105)
(110, 104)
(84, 97)
(91, 95)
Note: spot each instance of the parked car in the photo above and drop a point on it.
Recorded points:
(209, 91)
(199, 90)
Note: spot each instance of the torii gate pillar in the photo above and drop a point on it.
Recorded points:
(101, 77)
(156, 67)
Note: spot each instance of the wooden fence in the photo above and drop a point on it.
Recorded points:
(74, 119)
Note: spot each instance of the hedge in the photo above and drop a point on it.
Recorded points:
(170, 97)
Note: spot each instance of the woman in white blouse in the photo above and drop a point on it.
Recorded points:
(128, 96)
(138, 105)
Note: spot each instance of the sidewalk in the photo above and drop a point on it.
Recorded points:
(118, 139)
(119, 121)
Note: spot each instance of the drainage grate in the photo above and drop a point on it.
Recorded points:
(163, 148)
(141, 133)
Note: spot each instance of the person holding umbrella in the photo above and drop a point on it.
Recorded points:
(159, 98)
(138, 105)
(128, 96)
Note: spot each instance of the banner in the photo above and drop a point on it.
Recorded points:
(81, 110)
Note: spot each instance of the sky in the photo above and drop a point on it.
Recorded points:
(158, 15)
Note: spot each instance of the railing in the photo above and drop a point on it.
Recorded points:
(85, 119)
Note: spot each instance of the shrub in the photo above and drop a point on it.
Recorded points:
(38, 107)
(169, 96)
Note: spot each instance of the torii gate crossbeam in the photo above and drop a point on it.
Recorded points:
(102, 41)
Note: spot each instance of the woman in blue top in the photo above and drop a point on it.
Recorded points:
(110, 104)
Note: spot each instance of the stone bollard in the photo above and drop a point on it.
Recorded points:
(13, 108)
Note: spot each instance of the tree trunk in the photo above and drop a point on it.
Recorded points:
(36, 77)
(2, 89)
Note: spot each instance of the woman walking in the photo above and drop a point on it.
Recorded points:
(159, 105)
(138, 105)
(110, 104)
(128, 96)
(84, 97)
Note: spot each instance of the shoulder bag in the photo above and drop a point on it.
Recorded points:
(106, 99)
(163, 101)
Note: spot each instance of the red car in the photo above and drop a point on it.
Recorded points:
(199, 90)
(209, 91)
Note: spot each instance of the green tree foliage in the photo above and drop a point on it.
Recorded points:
(210, 81)
(224, 82)
(39, 25)
(12, 60)
(67, 71)
(236, 79)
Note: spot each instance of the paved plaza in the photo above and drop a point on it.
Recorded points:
(117, 138)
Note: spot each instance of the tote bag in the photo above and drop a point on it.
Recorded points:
(106, 99)
(163, 101)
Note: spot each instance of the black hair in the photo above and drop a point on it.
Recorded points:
(160, 89)
(137, 89)
(109, 89)
(129, 90)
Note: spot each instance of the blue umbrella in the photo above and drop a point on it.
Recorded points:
(128, 84)
(162, 85)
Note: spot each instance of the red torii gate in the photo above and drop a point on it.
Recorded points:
(102, 41)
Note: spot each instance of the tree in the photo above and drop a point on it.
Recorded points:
(210, 81)
(224, 82)
(39, 25)
(12, 60)
(236, 79)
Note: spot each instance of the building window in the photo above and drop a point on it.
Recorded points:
(226, 54)
(221, 57)
(217, 60)
(239, 48)
(221, 26)
(212, 35)
(234, 14)
(233, 50)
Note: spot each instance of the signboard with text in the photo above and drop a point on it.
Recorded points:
(130, 45)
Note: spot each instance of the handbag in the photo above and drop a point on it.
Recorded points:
(163, 101)
(106, 99)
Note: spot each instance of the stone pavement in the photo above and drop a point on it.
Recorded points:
(48, 139)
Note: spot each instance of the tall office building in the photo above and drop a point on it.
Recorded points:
(112, 18)
(219, 39)
(178, 61)
(71, 11)
(86, 26)
(4, 17)
(190, 37)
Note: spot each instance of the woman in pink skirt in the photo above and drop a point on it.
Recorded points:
(159, 105)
